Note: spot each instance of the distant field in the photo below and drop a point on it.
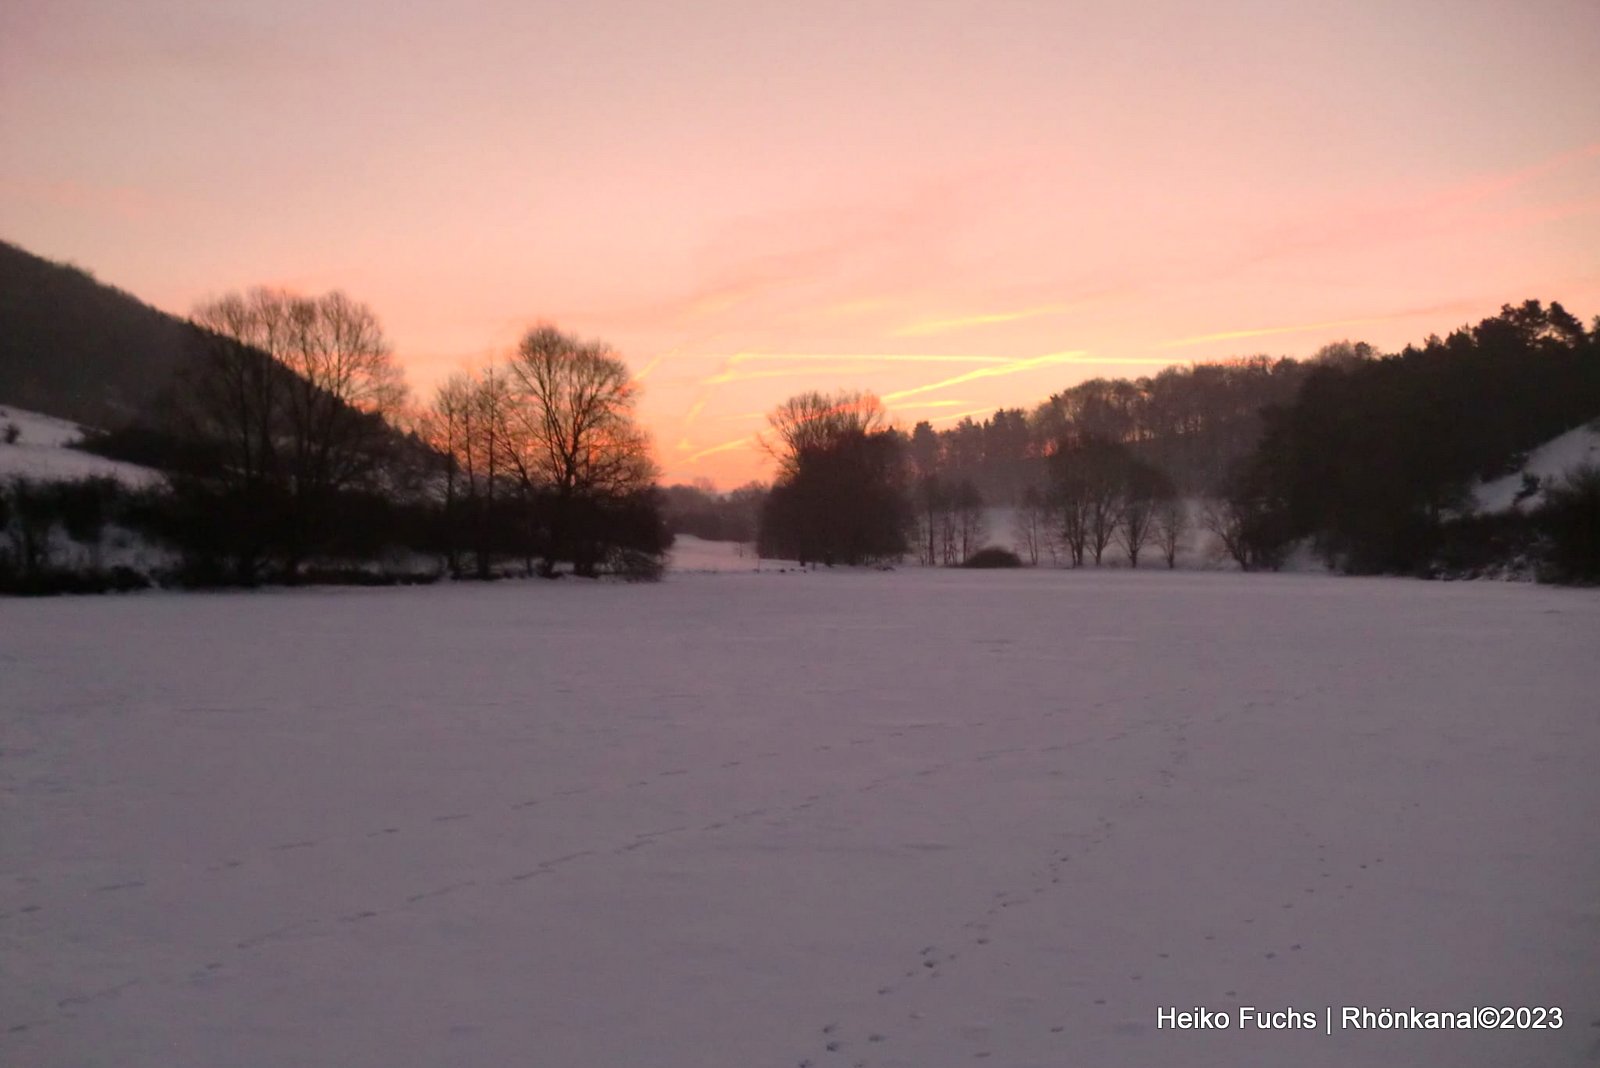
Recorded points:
(920, 818)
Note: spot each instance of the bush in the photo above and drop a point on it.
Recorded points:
(356, 576)
(1569, 520)
(50, 581)
(993, 556)
(1478, 546)
(633, 565)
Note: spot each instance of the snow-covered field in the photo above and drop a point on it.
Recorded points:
(921, 818)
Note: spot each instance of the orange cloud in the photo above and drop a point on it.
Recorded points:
(1495, 184)
(1444, 210)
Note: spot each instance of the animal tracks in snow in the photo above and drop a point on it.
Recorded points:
(840, 786)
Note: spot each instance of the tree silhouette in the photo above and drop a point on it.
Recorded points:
(292, 396)
(840, 496)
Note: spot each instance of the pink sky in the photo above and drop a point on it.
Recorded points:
(957, 205)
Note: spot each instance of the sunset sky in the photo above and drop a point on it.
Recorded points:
(957, 205)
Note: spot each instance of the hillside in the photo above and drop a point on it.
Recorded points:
(1544, 467)
(75, 348)
(42, 451)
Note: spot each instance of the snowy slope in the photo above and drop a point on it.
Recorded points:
(1550, 462)
(925, 818)
(41, 452)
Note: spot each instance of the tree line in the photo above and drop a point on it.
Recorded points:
(1368, 458)
(292, 454)
(1374, 458)
(852, 489)
(540, 457)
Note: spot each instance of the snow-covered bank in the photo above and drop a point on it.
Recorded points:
(923, 818)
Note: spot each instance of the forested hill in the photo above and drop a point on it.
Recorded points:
(1374, 456)
(75, 348)
(1194, 423)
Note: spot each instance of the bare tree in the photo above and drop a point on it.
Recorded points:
(1087, 480)
(1227, 523)
(495, 454)
(295, 394)
(233, 389)
(970, 521)
(444, 428)
(1136, 527)
(1105, 511)
(576, 399)
(930, 504)
(343, 373)
(841, 495)
(577, 439)
(1144, 489)
(949, 531)
(1069, 496)
(1029, 525)
(816, 421)
(1171, 522)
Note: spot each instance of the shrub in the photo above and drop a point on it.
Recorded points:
(1569, 519)
(1478, 546)
(993, 556)
(356, 576)
(49, 581)
(633, 565)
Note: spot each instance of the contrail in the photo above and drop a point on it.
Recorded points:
(1010, 367)
(748, 439)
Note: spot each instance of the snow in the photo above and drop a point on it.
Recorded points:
(692, 554)
(41, 452)
(923, 818)
(1550, 462)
